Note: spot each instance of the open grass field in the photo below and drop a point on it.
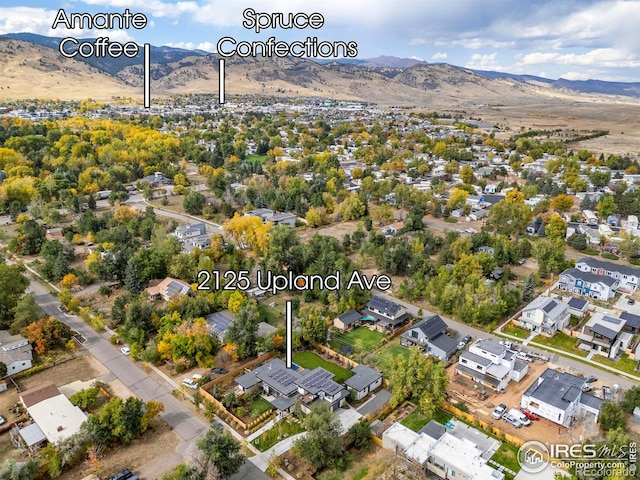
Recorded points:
(359, 339)
(310, 360)
(516, 331)
(625, 363)
(562, 342)
(384, 357)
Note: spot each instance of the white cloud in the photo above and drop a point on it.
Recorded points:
(601, 57)
(40, 21)
(156, 8)
(483, 62)
(206, 46)
(417, 42)
(439, 56)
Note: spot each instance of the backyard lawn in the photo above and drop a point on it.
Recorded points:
(310, 360)
(416, 420)
(507, 456)
(280, 431)
(384, 357)
(359, 339)
(259, 406)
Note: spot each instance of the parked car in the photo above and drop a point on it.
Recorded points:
(587, 387)
(529, 414)
(499, 411)
(467, 338)
(631, 301)
(522, 261)
(512, 420)
(606, 391)
(125, 474)
(461, 345)
(125, 350)
(518, 415)
(2, 420)
(219, 371)
(216, 426)
(187, 382)
(591, 379)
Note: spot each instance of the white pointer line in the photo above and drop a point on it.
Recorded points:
(289, 327)
(147, 82)
(221, 81)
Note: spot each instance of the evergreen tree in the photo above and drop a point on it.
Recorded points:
(91, 202)
(529, 289)
(132, 280)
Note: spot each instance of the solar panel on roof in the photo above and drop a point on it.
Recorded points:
(549, 306)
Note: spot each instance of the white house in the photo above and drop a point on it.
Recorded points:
(627, 277)
(600, 287)
(603, 334)
(364, 380)
(558, 397)
(489, 363)
(545, 315)
(15, 352)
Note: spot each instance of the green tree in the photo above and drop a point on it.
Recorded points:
(466, 174)
(313, 326)
(611, 417)
(322, 445)
(631, 399)
(132, 281)
(3, 369)
(12, 285)
(194, 202)
(556, 227)
(422, 378)
(509, 217)
(351, 208)
(550, 255)
(606, 206)
(599, 178)
(360, 432)
(86, 398)
(243, 331)
(529, 288)
(25, 313)
(577, 241)
(220, 453)
(562, 203)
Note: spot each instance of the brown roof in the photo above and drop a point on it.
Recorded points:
(38, 394)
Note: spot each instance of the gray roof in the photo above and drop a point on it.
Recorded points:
(550, 306)
(247, 380)
(318, 380)
(283, 403)
(431, 327)
(384, 306)
(363, 376)
(433, 429)
(14, 348)
(519, 365)
(556, 388)
(591, 401)
(445, 343)
(278, 376)
(577, 303)
(350, 316)
(607, 333)
(475, 358)
(491, 346)
(613, 267)
(632, 321)
(32, 435)
(589, 277)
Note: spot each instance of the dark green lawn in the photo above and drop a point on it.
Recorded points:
(259, 406)
(279, 432)
(359, 339)
(256, 158)
(310, 360)
(416, 420)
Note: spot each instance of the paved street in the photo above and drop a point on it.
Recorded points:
(187, 425)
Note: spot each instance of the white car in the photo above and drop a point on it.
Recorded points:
(2, 420)
(187, 382)
(125, 350)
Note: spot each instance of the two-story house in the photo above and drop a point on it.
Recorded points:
(600, 287)
(431, 335)
(558, 397)
(603, 334)
(15, 352)
(384, 314)
(626, 276)
(492, 364)
(545, 315)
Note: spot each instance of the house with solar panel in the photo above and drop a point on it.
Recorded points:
(218, 323)
(545, 315)
(283, 387)
(385, 315)
(604, 335)
(430, 335)
(168, 288)
(632, 322)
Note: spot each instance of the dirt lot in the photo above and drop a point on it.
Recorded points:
(153, 444)
(462, 389)
(83, 367)
(335, 230)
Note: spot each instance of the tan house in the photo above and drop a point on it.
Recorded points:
(168, 288)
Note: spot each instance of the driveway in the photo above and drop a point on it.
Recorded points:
(348, 417)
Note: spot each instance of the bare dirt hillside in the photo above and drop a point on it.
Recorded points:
(32, 71)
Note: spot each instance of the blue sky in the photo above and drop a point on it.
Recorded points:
(575, 39)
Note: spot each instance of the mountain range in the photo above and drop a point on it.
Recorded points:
(29, 61)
